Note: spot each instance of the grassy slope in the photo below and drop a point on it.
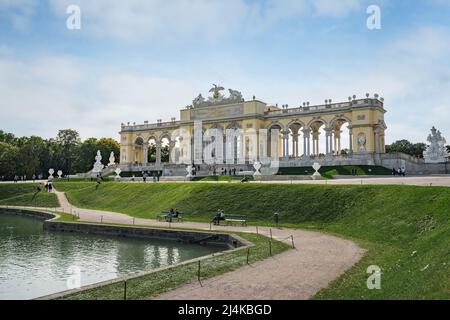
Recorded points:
(24, 194)
(390, 221)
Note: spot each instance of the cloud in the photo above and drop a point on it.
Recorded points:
(191, 20)
(41, 96)
(17, 12)
(336, 8)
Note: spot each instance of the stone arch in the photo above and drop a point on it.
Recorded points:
(276, 123)
(138, 150)
(316, 120)
(338, 138)
(294, 130)
(318, 127)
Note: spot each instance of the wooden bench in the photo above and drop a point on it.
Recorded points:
(235, 218)
(165, 216)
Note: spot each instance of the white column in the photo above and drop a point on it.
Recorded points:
(158, 153)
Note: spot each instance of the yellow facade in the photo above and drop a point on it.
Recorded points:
(299, 129)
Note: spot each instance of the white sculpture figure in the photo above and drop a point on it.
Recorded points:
(216, 91)
(112, 159)
(98, 166)
(362, 142)
(257, 165)
(197, 102)
(51, 172)
(118, 172)
(316, 166)
(235, 95)
(436, 152)
(59, 173)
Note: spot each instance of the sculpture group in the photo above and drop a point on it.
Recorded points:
(217, 97)
(436, 152)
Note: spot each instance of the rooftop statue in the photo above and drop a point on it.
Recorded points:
(216, 91)
(436, 152)
(218, 98)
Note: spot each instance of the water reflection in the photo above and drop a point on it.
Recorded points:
(35, 263)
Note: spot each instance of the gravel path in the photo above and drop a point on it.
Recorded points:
(295, 274)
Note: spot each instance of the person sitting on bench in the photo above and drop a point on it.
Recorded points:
(219, 216)
(176, 214)
(170, 215)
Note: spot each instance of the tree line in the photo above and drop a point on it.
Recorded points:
(28, 156)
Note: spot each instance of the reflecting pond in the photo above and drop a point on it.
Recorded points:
(34, 262)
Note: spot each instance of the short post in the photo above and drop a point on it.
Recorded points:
(125, 290)
(101, 219)
(198, 272)
(271, 237)
(257, 230)
(270, 248)
(248, 255)
(293, 244)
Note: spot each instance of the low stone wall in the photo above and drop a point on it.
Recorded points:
(282, 178)
(220, 239)
(28, 213)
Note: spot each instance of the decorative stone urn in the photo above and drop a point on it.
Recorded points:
(316, 166)
(118, 171)
(189, 170)
(59, 173)
(257, 165)
(51, 172)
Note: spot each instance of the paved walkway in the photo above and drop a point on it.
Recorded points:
(295, 274)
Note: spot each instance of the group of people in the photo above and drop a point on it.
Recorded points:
(155, 174)
(400, 172)
(48, 186)
(220, 216)
(231, 172)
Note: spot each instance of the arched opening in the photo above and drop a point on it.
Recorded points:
(138, 148)
(342, 144)
(318, 139)
(295, 150)
(151, 156)
(165, 149)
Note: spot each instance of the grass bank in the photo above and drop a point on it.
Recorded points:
(406, 229)
(25, 194)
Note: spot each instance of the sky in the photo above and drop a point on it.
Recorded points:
(143, 60)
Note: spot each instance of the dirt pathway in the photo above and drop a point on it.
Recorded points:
(295, 274)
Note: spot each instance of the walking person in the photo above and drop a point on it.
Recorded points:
(276, 218)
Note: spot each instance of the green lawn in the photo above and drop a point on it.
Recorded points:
(390, 221)
(25, 194)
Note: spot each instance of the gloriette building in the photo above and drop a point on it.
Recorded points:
(300, 132)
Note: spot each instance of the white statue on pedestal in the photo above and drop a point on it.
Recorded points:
(98, 166)
(436, 152)
(112, 159)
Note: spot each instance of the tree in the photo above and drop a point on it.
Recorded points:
(69, 141)
(407, 147)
